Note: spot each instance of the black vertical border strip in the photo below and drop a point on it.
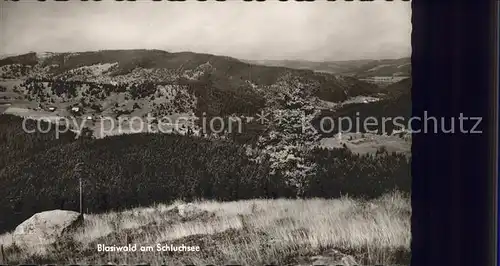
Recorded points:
(496, 120)
(496, 73)
(453, 187)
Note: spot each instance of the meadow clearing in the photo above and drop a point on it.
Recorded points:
(344, 231)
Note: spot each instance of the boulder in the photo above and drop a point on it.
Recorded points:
(334, 260)
(45, 228)
(327, 257)
(348, 261)
(189, 211)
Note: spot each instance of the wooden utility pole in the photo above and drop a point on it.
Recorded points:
(77, 172)
(81, 209)
(3, 258)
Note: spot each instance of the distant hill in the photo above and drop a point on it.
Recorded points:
(217, 85)
(398, 88)
(357, 68)
(396, 103)
(65, 65)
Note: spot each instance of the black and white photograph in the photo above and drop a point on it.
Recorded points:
(205, 132)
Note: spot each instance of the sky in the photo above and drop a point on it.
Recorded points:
(271, 30)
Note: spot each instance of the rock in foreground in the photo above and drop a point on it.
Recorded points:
(189, 212)
(327, 257)
(44, 229)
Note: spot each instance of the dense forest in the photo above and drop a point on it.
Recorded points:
(17, 145)
(38, 172)
(396, 103)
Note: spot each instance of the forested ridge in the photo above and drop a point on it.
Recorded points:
(140, 169)
(396, 103)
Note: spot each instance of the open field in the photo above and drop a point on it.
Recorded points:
(3, 107)
(250, 232)
(356, 142)
(368, 143)
(8, 96)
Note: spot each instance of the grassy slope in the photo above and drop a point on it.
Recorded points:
(369, 143)
(250, 232)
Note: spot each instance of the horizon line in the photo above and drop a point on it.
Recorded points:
(7, 55)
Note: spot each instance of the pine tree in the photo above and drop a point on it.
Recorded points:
(288, 139)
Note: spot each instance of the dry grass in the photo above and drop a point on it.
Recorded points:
(250, 232)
